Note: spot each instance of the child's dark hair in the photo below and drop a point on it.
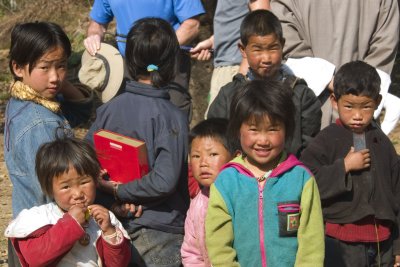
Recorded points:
(57, 157)
(257, 99)
(31, 40)
(260, 23)
(152, 41)
(215, 128)
(357, 78)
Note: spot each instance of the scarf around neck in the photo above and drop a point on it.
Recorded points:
(21, 91)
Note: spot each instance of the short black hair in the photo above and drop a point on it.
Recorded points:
(357, 78)
(215, 128)
(260, 23)
(57, 157)
(31, 40)
(257, 99)
(152, 41)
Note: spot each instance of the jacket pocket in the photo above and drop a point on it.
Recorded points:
(289, 218)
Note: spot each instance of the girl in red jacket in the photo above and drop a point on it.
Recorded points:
(71, 230)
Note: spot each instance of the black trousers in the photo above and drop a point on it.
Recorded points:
(356, 254)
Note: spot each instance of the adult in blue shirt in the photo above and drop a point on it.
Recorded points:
(181, 14)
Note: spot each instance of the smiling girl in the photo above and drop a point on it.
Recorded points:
(264, 207)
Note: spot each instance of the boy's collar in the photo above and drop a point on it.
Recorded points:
(283, 73)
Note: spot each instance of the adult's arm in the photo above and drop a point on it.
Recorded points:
(188, 31)
(384, 41)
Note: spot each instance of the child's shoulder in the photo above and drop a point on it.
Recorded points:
(29, 220)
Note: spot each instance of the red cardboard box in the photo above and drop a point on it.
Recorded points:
(124, 158)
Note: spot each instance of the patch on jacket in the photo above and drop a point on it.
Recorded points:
(289, 218)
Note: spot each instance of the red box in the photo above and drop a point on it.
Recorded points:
(124, 158)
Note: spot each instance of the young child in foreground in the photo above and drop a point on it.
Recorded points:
(209, 151)
(264, 207)
(357, 171)
(70, 231)
(261, 44)
(143, 111)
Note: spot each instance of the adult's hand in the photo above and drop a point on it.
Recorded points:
(95, 34)
(202, 51)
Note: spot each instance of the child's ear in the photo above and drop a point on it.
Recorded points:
(283, 42)
(334, 101)
(242, 49)
(378, 101)
(18, 70)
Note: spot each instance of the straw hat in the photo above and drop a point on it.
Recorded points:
(103, 72)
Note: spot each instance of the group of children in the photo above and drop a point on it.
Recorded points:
(274, 190)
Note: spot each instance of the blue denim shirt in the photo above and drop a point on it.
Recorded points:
(27, 126)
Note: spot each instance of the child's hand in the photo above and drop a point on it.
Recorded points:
(78, 212)
(102, 218)
(357, 160)
(127, 210)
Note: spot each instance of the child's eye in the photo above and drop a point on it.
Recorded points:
(195, 156)
(213, 154)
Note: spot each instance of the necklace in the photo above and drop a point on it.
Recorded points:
(265, 175)
(85, 239)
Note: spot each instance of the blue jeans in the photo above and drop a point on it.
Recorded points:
(153, 248)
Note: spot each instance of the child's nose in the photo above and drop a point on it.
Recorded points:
(266, 56)
(203, 161)
(357, 115)
(77, 193)
(54, 76)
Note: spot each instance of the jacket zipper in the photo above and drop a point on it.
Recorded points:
(261, 223)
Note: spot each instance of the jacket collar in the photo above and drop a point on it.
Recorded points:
(286, 163)
(146, 90)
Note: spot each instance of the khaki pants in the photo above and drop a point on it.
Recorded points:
(220, 77)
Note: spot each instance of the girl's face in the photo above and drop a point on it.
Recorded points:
(263, 143)
(47, 75)
(70, 189)
(207, 155)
